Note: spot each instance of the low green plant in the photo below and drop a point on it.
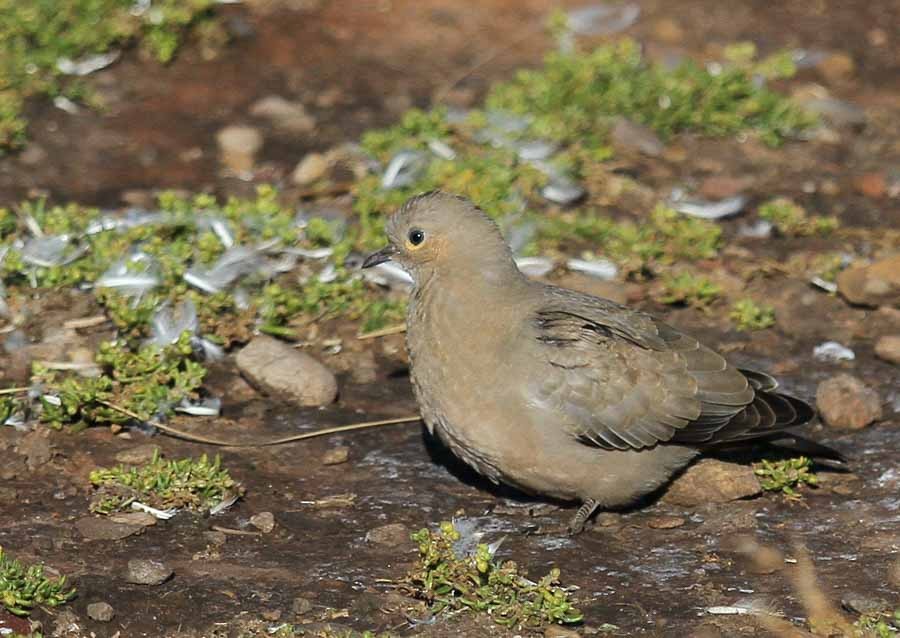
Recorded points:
(878, 625)
(23, 587)
(785, 476)
(664, 238)
(792, 220)
(478, 583)
(146, 382)
(689, 289)
(195, 484)
(36, 35)
(747, 314)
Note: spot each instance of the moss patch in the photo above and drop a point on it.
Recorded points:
(785, 476)
(478, 583)
(747, 314)
(792, 220)
(195, 484)
(22, 587)
(36, 35)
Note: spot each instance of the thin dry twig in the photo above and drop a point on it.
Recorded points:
(67, 365)
(86, 322)
(235, 532)
(196, 438)
(14, 391)
(383, 332)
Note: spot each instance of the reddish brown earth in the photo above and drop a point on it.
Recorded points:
(355, 65)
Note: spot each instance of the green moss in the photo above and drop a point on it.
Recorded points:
(665, 238)
(785, 476)
(35, 35)
(573, 92)
(146, 382)
(792, 219)
(21, 587)
(878, 625)
(689, 289)
(195, 484)
(749, 315)
(478, 583)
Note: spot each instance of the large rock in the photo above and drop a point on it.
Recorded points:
(713, 481)
(846, 402)
(877, 284)
(276, 368)
(238, 146)
(888, 348)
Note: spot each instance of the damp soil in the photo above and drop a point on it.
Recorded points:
(357, 65)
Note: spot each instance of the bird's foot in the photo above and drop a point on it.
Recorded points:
(576, 525)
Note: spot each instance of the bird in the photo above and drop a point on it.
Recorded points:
(555, 392)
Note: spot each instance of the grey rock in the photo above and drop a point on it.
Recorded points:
(147, 572)
(845, 402)
(101, 611)
(278, 369)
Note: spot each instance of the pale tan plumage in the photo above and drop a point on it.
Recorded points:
(552, 391)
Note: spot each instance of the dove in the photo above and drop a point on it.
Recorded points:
(555, 392)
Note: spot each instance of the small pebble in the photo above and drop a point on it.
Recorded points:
(215, 538)
(392, 534)
(276, 368)
(238, 146)
(607, 519)
(665, 522)
(264, 522)
(101, 611)
(845, 402)
(336, 455)
(310, 169)
(301, 606)
(888, 348)
(94, 528)
(147, 572)
(556, 631)
(713, 481)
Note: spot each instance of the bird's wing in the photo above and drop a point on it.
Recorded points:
(622, 380)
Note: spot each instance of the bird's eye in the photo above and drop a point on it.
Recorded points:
(416, 236)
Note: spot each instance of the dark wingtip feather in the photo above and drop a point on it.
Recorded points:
(812, 449)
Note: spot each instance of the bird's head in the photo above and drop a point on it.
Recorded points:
(440, 233)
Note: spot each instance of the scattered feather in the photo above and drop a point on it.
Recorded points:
(404, 169)
(602, 19)
(223, 505)
(162, 515)
(132, 276)
(562, 191)
(205, 407)
(86, 65)
(65, 104)
(311, 253)
(827, 286)
(536, 150)
(167, 325)
(47, 252)
(832, 351)
(760, 229)
(327, 274)
(599, 268)
(535, 266)
(234, 263)
(710, 210)
(441, 149)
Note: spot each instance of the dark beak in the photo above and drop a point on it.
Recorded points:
(380, 256)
